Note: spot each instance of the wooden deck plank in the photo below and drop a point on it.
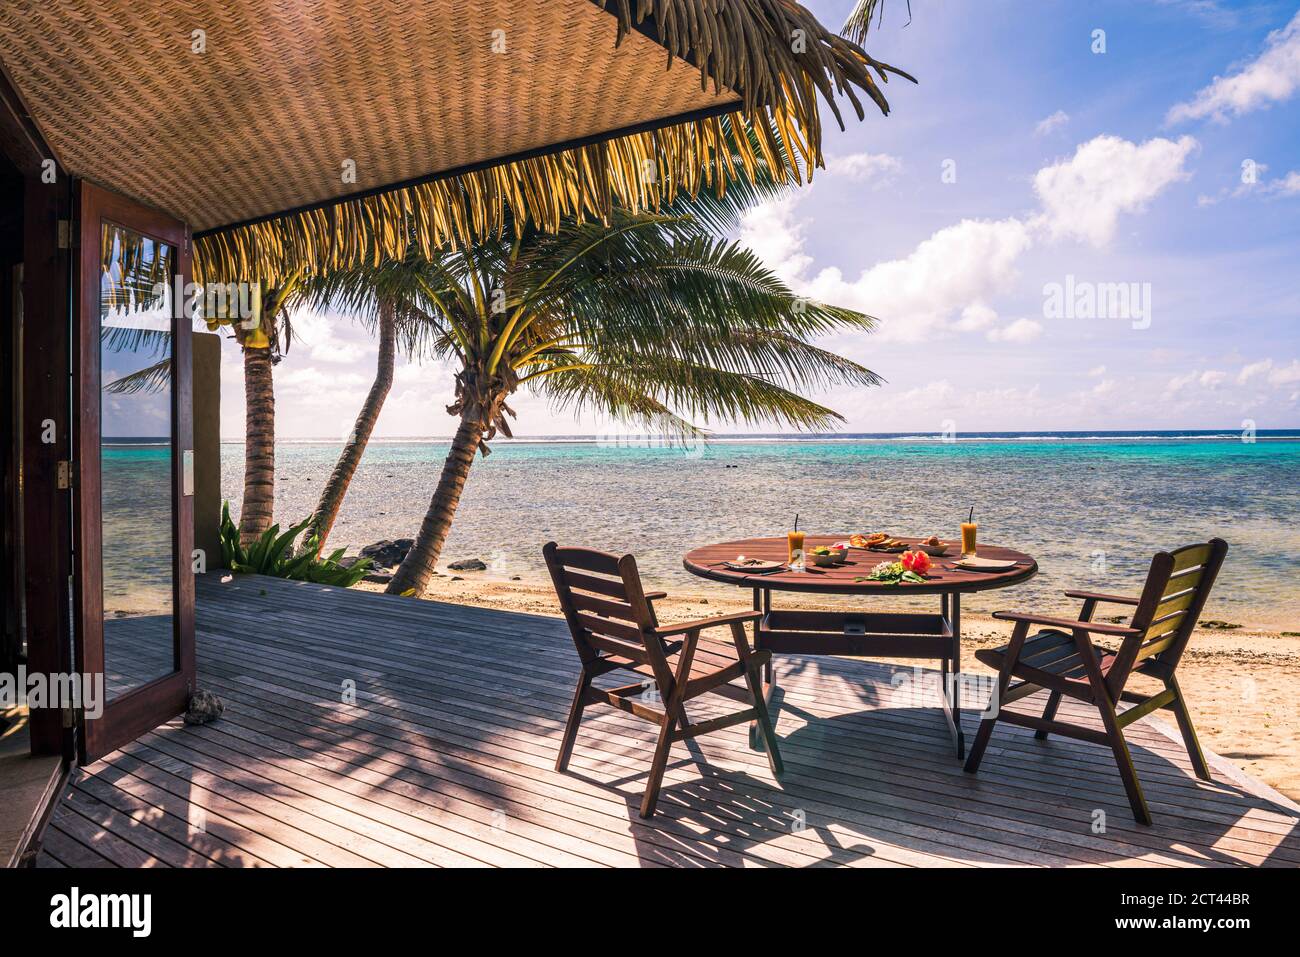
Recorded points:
(948, 769)
(1088, 754)
(445, 757)
(566, 693)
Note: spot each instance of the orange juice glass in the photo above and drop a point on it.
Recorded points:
(968, 538)
(795, 542)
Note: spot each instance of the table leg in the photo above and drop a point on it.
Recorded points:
(763, 603)
(950, 674)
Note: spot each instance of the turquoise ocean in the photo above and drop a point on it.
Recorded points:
(1091, 507)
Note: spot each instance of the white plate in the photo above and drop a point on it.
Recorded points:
(985, 564)
(755, 568)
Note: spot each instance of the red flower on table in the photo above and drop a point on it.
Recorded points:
(918, 562)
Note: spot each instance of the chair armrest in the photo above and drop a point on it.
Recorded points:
(655, 595)
(1067, 624)
(1098, 596)
(702, 623)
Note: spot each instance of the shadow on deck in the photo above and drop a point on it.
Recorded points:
(362, 729)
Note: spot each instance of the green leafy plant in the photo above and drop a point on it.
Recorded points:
(893, 573)
(272, 553)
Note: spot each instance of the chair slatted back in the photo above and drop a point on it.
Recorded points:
(605, 605)
(1176, 590)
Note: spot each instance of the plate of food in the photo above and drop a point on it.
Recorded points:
(754, 566)
(866, 541)
(975, 564)
(888, 544)
(933, 547)
(825, 556)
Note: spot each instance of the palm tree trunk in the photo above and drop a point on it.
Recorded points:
(416, 569)
(331, 499)
(259, 445)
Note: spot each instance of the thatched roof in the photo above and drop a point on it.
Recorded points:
(310, 135)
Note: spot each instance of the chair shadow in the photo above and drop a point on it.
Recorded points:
(728, 818)
(1057, 796)
(883, 781)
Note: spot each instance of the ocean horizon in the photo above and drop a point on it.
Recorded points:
(1091, 506)
(991, 436)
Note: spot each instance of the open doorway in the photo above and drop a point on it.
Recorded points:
(28, 781)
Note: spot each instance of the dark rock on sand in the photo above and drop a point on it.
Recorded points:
(388, 553)
(378, 577)
(468, 565)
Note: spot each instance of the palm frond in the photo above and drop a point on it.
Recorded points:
(154, 378)
(684, 390)
(129, 338)
(859, 19)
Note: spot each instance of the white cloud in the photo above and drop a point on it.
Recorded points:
(1083, 196)
(1211, 11)
(330, 337)
(1051, 123)
(956, 267)
(773, 233)
(975, 317)
(926, 407)
(1097, 371)
(1020, 331)
(1275, 375)
(1288, 185)
(1272, 77)
(1207, 379)
(949, 280)
(864, 167)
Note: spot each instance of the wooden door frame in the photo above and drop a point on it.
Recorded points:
(44, 367)
(141, 709)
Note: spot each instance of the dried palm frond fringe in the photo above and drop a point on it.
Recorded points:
(859, 19)
(773, 54)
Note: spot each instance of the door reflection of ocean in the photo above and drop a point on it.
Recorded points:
(137, 504)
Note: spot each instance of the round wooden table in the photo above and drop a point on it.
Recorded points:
(860, 633)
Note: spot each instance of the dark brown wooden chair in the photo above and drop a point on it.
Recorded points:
(614, 627)
(1063, 660)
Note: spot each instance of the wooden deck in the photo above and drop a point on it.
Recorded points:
(446, 759)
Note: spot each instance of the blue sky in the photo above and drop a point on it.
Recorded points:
(1169, 163)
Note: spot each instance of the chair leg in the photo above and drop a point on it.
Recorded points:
(1053, 702)
(765, 723)
(659, 764)
(1124, 761)
(985, 731)
(575, 718)
(1179, 707)
(977, 747)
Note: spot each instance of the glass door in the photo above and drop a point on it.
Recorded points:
(133, 476)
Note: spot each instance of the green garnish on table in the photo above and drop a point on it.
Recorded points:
(892, 573)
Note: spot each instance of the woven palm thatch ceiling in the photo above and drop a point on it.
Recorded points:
(376, 123)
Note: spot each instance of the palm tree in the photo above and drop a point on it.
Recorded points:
(650, 319)
(263, 340)
(351, 288)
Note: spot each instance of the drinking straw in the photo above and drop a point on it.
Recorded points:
(972, 515)
(796, 520)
